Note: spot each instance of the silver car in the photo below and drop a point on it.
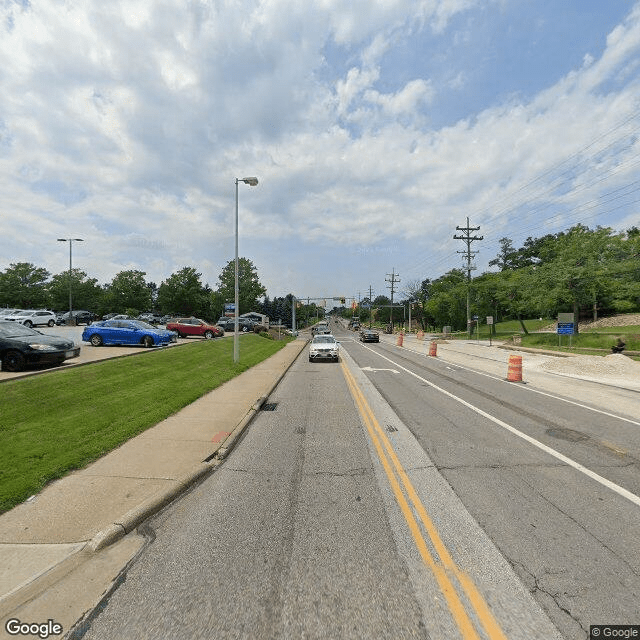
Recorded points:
(324, 347)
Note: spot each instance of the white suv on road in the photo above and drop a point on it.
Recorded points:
(33, 318)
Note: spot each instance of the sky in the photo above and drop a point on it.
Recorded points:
(375, 129)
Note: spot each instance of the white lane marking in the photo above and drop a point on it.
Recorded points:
(372, 369)
(542, 393)
(536, 443)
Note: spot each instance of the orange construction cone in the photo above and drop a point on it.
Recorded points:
(433, 349)
(420, 335)
(400, 339)
(514, 371)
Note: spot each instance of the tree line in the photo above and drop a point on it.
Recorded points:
(587, 272)
(25, 286)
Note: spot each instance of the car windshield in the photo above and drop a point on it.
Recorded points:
(324, 339)
(14, 330)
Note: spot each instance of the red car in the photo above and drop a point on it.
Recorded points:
(194, 327)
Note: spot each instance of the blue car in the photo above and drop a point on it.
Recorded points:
(133, 332)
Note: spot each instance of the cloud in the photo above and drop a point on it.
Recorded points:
(128, 124)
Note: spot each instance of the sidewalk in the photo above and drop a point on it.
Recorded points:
(54, 532)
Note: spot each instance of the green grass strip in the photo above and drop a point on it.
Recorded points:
(53, 423)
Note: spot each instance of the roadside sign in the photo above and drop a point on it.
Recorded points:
(489, 319)
(565, 328)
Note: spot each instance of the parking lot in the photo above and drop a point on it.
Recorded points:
(88, 353)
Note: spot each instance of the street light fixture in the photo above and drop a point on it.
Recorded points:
(252, 182)
(70, 241)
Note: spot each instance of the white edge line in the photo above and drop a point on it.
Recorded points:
(542, 393)
(556, 454)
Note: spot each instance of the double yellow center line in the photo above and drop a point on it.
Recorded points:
(454, 584)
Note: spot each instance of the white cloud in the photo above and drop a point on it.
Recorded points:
(127, 125)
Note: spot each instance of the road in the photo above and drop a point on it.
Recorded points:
(397, 496)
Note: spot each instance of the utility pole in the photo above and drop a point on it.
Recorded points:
(392, 286)
(468, 239)
(370, 307)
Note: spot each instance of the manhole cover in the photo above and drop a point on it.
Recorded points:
(269, 406)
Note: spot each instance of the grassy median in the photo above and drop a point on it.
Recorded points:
(51, 424)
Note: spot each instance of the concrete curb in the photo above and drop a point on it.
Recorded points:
(136, 516)
(132, 518)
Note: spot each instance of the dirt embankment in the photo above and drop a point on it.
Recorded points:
(615, 321)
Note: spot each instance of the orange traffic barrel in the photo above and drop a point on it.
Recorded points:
(433, 348)
(514, 371)
(400, 339)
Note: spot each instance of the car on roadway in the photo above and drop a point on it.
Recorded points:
(324, 347)
(369, 335)
(122, 332)
(195, 327)
(22, 346)
(320, 329)
(33, 317)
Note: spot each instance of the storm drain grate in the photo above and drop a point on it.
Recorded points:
(269, 406)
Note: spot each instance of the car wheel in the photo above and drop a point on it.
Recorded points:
(208, 335)
(96, 340)
(147, 341)
(28, 323)
(50, 323)
(13, 361)
(180, 335)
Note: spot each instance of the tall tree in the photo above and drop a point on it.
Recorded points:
(183, 293)
(250, 290)
(86, 293)
(129, 293)
(22, 285)
(506, 257)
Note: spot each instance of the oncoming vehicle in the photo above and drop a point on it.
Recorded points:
(369, 335)
(194, 327)
(134, 332)
(324, 347)
(21, 346)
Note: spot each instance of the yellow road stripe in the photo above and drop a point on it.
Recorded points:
(440, 572)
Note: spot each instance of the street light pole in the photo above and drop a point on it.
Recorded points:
(252, 182)
(70, 241)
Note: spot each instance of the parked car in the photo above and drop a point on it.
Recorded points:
(151, 318)
(81, 317)
(22, 346)
(323, 347)
(194, 327)
(7, 312)
(369, 335)
(33, 318)
(133, 332)
(244, 324)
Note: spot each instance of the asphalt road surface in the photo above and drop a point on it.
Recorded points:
(397, 496)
